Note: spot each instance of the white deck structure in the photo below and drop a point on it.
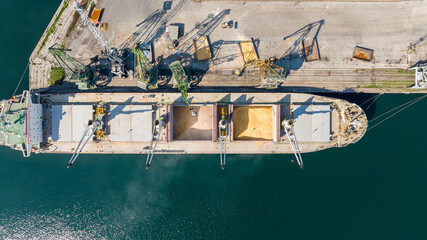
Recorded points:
(312, 123)
(131, 123)
(70, 121)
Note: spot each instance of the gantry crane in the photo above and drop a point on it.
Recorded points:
(145, 73)
(158, 127)
(223, 135)
(95, 130)
(115, 59)
(271, 74)
(288, 125)
(77, 72)
(181, 80)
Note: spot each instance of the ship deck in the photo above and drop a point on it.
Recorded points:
(255, 122)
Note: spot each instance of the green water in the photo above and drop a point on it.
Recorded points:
(375, 189)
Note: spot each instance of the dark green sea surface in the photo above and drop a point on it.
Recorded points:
(375, 189)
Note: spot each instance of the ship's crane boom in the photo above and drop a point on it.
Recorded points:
(223, 135)
(87, 135)
(160, 123)
(288, 125)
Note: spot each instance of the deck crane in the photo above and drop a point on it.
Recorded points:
(145, 73)
(223, 135)
(158, 127)
(95, 130)
(87, 135)
(271, 74)
(78, 73)
(288, 125)
(181, 80)
(115, 59)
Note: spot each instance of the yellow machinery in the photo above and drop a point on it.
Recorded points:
(223, 134)
(98, 116)
(146, 73)
(271, 74)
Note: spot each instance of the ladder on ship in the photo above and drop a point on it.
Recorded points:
(87, 135)
(288, 125)
(158, 127)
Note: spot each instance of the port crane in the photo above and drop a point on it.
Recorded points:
(78, 73)
(145, 73)
(115, 59)
(181, 80)
(158, 127)
(288, 125)
(223, 135)
(271, 74)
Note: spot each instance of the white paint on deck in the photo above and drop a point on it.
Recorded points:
(312, 123)
(131, 123)
(70, 121)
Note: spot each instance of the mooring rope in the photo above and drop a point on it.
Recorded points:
(370, 99)
(22, 77)
(408, 104)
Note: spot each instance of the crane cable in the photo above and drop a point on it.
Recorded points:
(408, 104)
(22, 77)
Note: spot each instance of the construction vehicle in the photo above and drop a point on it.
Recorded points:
(363, 53)
(228, 24)
(103, 26)
(288, 125)
(145, 73)
(180, 80)
(114, 57)
(96, 15)
(83, 76)
(271, 74)
(95, 130)
(223, 134)
(158, 127)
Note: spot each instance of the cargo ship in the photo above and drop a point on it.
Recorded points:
(157, 123)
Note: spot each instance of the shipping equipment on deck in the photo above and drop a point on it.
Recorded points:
(202, 47)
(311, 50)
(363, 53)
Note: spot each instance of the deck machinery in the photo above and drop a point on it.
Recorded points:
(153, 123)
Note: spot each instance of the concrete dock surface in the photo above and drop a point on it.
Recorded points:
(395, 30)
